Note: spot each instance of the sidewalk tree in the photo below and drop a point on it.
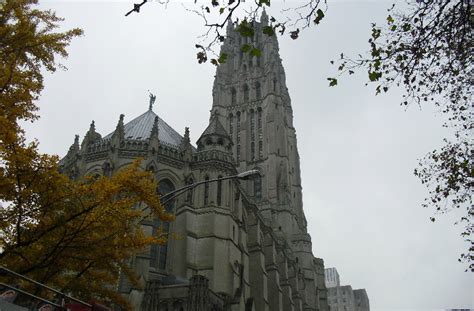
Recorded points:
(74, 235)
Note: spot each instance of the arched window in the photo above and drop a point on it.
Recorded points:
(258, 90)
(159, 252)
(219, 190)
(206, 190)
(233, 93)
(107, 169)
(246, 93)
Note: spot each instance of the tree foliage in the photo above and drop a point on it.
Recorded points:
(216, 14)
(426, 48)
(75, 235)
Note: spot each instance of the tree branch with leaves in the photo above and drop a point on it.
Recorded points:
(74, 235)
(427, 49)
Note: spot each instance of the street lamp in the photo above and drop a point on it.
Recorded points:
(173, 194)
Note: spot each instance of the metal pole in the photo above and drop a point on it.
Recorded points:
(33, 296)
(45, 286)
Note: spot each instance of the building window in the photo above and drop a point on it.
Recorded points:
(206, 191)
(189, 195)
(219, 190)
(158, 253)
(257, 187)
(258, 90)
(233, 96)
(260, 133)
(252, 151)
(231, 126)
(252, 125)
(252, 135)
(238, 135)
(246, 93)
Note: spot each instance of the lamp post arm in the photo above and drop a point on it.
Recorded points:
(173, 194)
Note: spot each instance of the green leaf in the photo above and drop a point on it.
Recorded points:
(319, 16)
(245, 29)
(246, 48)
(221, 10)
(390, 19)
(374, 75)
(268, 30)
(214, 62)
(222, 58)
(255, 52)
(332, 81)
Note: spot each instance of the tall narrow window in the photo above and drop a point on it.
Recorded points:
(159, 252)
(252, 151)
(260, 133)
(252, 124)
(233, 93)
(252, 135)
(246, 93)
(258, 90)
(206, 191)
(189, 195)
(238, 135)
(231, 126)
(257, 187)
(219, 191)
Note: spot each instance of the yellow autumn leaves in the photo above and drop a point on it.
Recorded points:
(74, 235)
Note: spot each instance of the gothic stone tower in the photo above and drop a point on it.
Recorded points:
(252, 101)
(244, 245)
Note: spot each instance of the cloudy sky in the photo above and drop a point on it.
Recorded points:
(357, 150)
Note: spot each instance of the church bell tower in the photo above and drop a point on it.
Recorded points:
(252, 102)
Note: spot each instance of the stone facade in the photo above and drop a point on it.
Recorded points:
(244, 243)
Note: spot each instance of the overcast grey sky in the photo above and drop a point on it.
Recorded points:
(358, 151)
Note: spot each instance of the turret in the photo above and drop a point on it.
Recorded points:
(215, 137)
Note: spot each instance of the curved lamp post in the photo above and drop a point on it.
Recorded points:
(173, 194)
